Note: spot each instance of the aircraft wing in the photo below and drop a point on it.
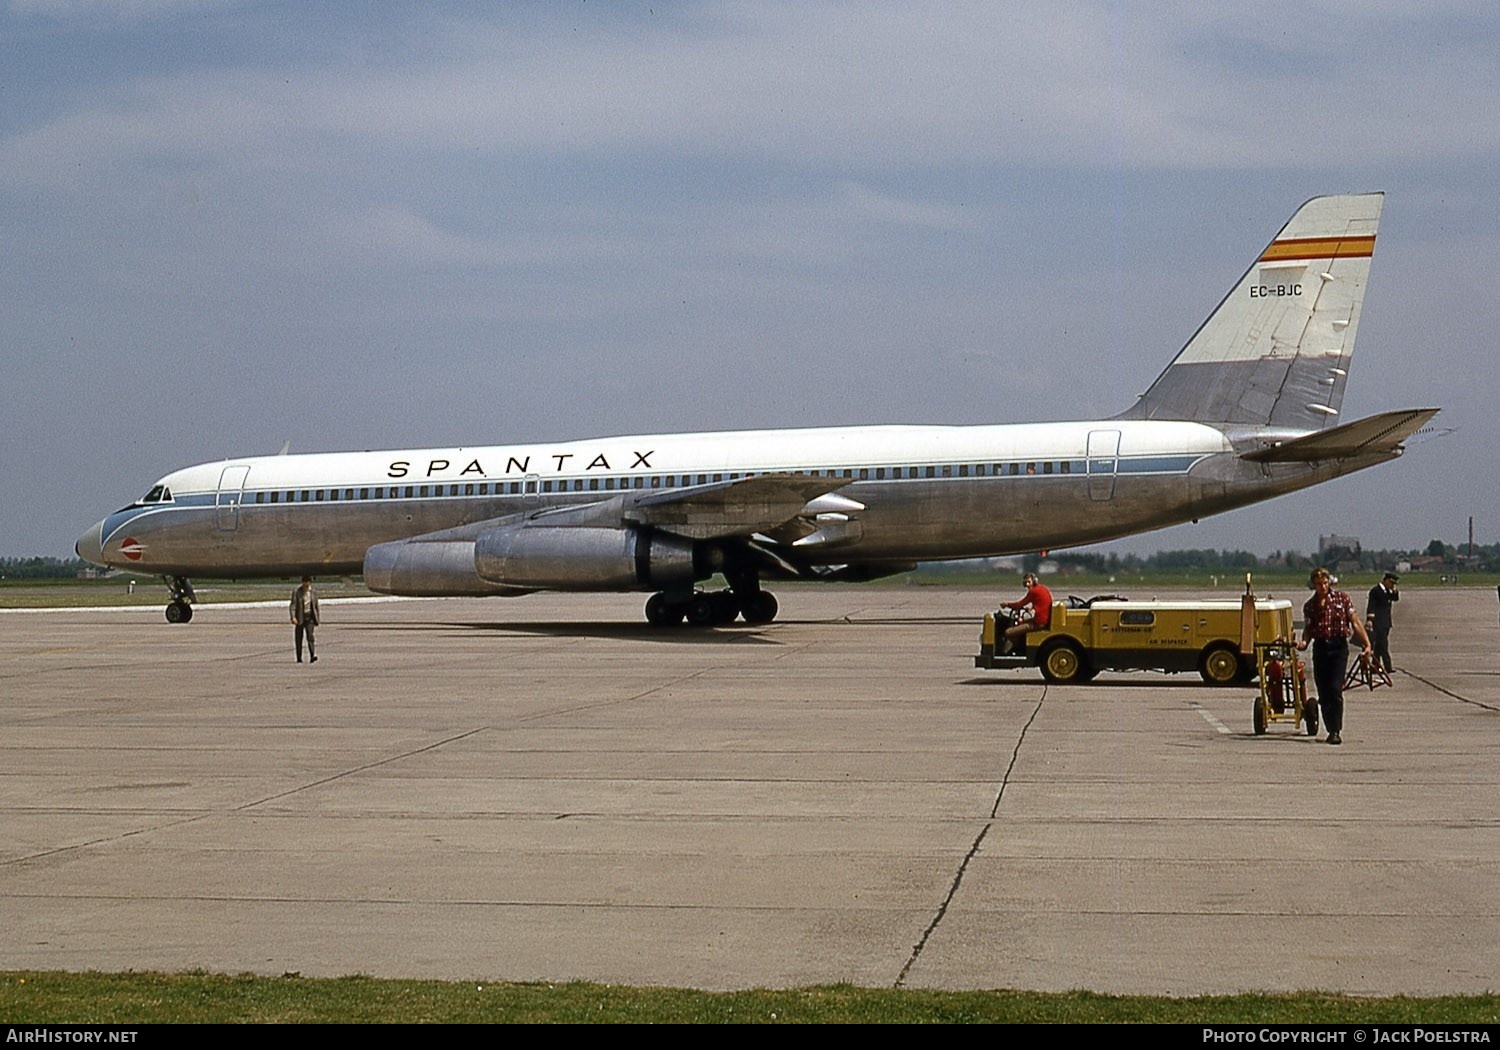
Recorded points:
(733, 508)
(1369, 436)
(742, 507)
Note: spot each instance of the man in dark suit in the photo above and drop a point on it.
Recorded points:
(1378, 616)
(305, 618)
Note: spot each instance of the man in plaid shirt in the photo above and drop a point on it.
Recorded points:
(1328, 618)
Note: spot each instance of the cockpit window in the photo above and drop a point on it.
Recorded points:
(158, 494)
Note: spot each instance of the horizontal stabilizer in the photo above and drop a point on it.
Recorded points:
(1370, 436)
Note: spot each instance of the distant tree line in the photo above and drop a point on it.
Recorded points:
(41, 568)
(1450, 557)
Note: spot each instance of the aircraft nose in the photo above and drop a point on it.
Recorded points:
(90, 545)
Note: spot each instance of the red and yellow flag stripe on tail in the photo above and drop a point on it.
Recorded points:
(1320, 248)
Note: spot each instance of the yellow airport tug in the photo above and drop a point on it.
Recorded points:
(1226, 642)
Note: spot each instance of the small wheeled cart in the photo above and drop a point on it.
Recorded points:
(1283, 688)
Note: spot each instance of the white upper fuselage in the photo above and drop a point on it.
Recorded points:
(760, 451)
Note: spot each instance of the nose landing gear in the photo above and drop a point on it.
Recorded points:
(180, 610)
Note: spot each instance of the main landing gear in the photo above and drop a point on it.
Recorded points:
(181, 608)
(743, 600)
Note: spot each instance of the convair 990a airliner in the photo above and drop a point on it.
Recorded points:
(1247, 410)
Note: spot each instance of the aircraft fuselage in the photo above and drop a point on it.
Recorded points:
(926, 492)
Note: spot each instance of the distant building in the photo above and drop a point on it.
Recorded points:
(1341, 554)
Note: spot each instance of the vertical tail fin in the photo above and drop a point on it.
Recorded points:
(1277, 350)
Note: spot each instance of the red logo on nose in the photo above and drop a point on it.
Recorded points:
(132, 548)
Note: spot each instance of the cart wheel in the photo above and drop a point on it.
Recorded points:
(1259, 716)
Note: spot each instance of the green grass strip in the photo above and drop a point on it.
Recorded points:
(155, 998)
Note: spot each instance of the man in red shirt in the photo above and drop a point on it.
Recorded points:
(1328, 618)
(1039, 619)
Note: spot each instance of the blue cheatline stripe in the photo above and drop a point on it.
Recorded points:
(563, 484)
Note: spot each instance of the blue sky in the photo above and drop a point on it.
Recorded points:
(230, 225)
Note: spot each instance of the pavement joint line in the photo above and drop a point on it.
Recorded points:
(618, 700)
(963, 866)
(358, 769)
(1447, 692)
(471, 902)
(103, 839)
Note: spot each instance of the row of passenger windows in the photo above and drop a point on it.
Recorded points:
(657, 481)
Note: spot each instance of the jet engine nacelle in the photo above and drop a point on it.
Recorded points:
(578, 558)
(419, 568)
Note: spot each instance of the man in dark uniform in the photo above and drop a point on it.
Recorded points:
(1328, 618)
(1378, 616)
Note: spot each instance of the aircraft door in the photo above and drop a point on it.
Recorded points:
(529, 497)
(231, 493)
(1103, 463)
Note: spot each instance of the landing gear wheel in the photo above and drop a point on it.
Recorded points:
(179, 612)
(1259, 717)
(1220, 665)
(1063, 663)
(761, 607)
(662, 613)
(726, 607)
(701, 611)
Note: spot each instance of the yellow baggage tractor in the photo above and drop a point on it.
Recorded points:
(1115, 634)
